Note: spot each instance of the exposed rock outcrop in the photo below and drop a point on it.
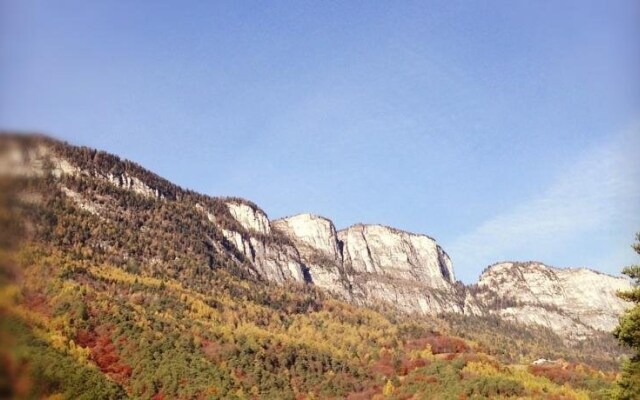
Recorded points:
(381, 250)
(317, 242)
(125, 181)
(373, 263)
(274, 261)
(406, 270)
(252, 219)
(18, 158)
(572, 302)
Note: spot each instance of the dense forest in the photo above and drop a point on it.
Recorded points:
(106, 293)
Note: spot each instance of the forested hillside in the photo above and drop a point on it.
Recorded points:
(107, 292)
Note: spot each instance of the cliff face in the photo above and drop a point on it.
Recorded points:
(364, 264)
(317, 243)
(569, 301)
(371, 264)
(251, 237)
(406, 270)
(380, 250)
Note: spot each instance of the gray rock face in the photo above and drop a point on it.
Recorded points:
(371, 264)
(18, 160)
(406, 270)
(317, 242)
(385, 251)
(128, 182)
(276, 262)
(571, 302)
(311, 234)
(251, 219)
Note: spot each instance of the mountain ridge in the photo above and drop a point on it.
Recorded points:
(362, 263)
(112, 287)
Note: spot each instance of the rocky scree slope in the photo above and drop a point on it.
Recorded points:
(364, 264)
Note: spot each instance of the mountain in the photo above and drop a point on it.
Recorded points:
(363, 264)
(573, 302)
(122, 274)
(367, 264)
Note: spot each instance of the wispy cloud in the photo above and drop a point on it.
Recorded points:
(600, 189)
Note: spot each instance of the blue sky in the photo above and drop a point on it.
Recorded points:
(506, 130)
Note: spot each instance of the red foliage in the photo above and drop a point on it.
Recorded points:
(407, 366)
(38, 303)
(384, 366)
(211, 349)
(559, 373)
(416, 344)
(104, 353)
(366, 394)
(158, 396)
(447, 344)
(86, 338)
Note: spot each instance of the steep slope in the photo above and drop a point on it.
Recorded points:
(316, 239)
(407, 270)
(369, 265)
(572, 302)
(276, 261)
(233, 222)
(113, 289)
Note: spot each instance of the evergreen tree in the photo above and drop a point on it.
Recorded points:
(628, 333)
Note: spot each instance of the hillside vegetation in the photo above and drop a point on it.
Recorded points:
(108, 294)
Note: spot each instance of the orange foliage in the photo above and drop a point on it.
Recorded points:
(38, 303)
(366, 394)
(447, 344)
(384, 366)
(104, 353)
(158, 396)
(559, 373)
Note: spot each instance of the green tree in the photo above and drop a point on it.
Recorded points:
(628, 333)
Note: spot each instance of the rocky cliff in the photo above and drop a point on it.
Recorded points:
(407, 270)
(364, 264)
(570, 301)
(275, 261)
(317, 242)
(370, 264)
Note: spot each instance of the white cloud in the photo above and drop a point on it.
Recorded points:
(601, 189)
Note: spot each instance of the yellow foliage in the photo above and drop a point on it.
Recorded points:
(540, 385)
(9, 295)
(388, 388)
(481, 368)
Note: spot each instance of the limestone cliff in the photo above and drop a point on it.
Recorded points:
(277, 262)
(373, 263)
(572, 302)
(317, 243)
